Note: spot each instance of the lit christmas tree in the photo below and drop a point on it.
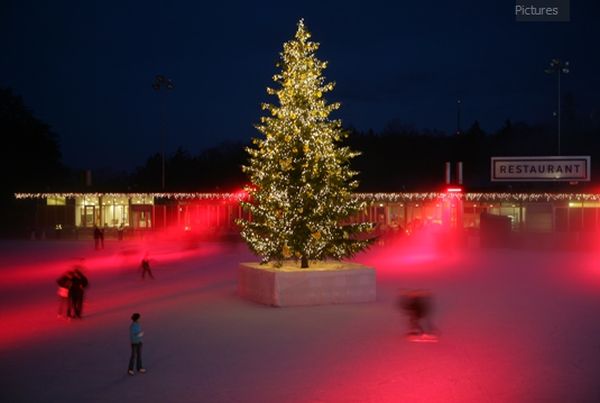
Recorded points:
(301, 194)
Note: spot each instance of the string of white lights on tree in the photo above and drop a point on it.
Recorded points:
(301, 179)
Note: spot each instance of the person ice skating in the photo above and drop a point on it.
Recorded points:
(102, 237)
(135, 335)
(79, 283)
(145, 265)
(64, 304)
(97, 235)
(418, 306)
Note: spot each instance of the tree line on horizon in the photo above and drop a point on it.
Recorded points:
(398, 158)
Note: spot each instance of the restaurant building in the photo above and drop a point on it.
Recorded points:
(555, 217)
(73, 215)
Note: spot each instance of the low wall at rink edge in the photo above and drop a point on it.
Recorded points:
(323, 284)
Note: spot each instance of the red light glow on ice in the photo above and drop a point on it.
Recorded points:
(35, 318)
(429, 251)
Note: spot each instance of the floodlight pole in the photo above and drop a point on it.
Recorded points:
(558, 67)
(458, 102)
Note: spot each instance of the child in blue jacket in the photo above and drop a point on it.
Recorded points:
(135, 335)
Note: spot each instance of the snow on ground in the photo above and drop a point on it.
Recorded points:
(516, 326)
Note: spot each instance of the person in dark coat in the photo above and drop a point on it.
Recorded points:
(97, 236)
(64, 285)
(79, 283)
(102, 237)
(145, 266)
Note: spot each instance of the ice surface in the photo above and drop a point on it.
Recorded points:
(515, 326)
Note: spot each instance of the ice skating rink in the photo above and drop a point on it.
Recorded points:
(515, 325)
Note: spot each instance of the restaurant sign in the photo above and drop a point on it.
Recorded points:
(536, 169)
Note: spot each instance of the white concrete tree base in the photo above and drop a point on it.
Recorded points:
(322, 284)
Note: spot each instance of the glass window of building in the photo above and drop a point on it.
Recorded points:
(56, 201)
(115, 211)
(142, 199)
(87, 211)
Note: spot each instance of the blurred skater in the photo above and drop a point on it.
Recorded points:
(145, 266)
(79, 282)
(64, 302)
(417, 305)
(135, 335)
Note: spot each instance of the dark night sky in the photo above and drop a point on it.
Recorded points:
(86, 67)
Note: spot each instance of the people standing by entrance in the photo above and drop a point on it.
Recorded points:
(64, 302)
(102, 237)
(79, 282)
(97, 236)
(135, 336)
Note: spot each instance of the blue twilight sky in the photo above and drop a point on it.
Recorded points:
(86, 67)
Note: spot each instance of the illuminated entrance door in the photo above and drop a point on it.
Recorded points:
(88, 216)
(453, 209)
(141, 217)
(451, 213)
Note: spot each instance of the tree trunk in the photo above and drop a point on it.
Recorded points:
(304, 262)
